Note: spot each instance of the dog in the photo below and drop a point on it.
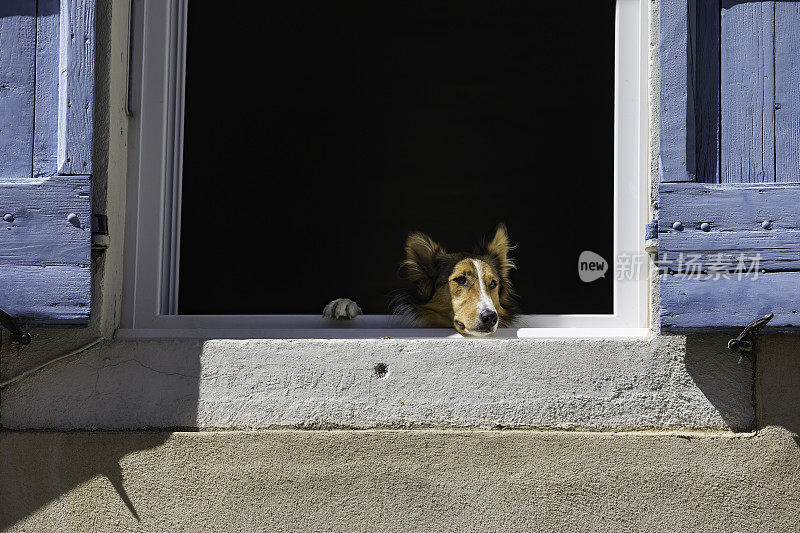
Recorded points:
(471, 292)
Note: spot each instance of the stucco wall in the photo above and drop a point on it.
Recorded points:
(399, 481)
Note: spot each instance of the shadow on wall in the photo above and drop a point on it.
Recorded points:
(84, 391)
(161, 381)
(724, 381)
(38, 468)
(778, 382)
(776, 399)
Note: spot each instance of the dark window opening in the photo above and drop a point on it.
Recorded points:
(318, 136)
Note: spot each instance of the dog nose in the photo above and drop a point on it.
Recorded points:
(488, 317)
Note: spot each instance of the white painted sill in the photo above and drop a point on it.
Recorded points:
(361, 333)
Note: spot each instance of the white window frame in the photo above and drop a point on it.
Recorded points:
(154, 192)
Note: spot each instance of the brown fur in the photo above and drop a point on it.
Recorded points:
(434, 297)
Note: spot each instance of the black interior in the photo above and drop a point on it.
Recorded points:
(318, 135)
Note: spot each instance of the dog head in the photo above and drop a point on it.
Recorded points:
(468, 291)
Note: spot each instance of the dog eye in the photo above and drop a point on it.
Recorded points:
(461, 280)
(493, 284)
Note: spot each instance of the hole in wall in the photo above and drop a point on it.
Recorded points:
(381, 370)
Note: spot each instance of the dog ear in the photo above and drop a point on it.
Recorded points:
(419, 266)
(498, 249)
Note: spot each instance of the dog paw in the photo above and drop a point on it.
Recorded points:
(341, 308)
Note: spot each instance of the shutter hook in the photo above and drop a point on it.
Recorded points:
(10, 323)
(745, 342)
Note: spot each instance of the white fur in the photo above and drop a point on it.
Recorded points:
(341, 308)
(485, 303)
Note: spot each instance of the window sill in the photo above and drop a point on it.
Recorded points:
(362, 333)
(571, 383)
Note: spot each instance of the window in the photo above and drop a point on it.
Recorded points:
(290, 164)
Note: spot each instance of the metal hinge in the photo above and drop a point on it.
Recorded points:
(100, 238)
(744, 344)
(10, 323)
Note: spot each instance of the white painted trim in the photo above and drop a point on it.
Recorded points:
(377, 333)
(174, 187)
(149, 295)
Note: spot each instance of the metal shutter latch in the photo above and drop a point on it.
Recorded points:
(10, 323)
(745, 342)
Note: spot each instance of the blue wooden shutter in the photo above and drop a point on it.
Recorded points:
(46, 132)
(729, 197)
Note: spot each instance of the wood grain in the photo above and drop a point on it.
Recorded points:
(66, 300)
(17, 78)
(751, 64)
(45, 133)
(735, 214)
(747, 85)
(76, 87)
(787, 91)
(673, 92)
(773, 251)
(45, 203)
(730, 207)
(702, 120)
(45, 260)
(705, 302)
(40, 233)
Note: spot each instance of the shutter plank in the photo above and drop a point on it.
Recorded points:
(45, 133)
(693, 303)
(735, 215)
(45, 262)
(17, 50)
(76, 87)
(729, 207)
(702, 120)
(673, 92)
(720, 297)
(747, 81)
(40, 233)
(787, 91)
(775, 251)
(66, 302)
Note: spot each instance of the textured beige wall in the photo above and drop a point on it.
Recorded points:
(778, 382)
(399, 481)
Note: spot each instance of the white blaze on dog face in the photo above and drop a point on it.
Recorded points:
(474, 294)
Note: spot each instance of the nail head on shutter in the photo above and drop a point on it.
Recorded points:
(8, 217)
(677, 226)
(72, 218)
(767, 224)
(705, 226)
